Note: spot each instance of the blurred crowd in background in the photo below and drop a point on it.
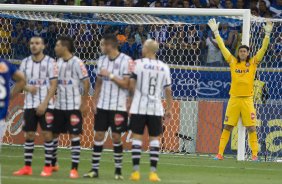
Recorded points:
(184, 44)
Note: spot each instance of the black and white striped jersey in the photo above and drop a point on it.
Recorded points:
(39, 74)
(71, 72)
(152, 76)
(112, 97)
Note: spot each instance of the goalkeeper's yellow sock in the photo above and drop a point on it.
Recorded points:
(253, 139)
(223, 141)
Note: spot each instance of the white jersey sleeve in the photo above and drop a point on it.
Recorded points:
(81, 70)
(53, 70)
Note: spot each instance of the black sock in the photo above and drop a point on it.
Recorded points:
(96, 155)
(55, 148)
(48, 146)
(28, 152)
(154, 154)
(75, 152)
(136, 154)
(118, 150)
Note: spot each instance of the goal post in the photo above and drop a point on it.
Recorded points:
(189, 102)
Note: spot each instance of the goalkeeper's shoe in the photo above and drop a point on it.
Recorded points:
(218, 157)
(26, 170)
(255, 158)
(74, 174)
(135, 176)
(153, 177)
(91, 174)
(47, 171)
(55, 168)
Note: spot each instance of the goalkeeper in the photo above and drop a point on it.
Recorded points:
(243, 69)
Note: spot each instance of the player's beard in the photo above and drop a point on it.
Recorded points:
(36, 53)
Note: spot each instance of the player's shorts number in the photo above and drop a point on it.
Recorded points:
(152, 86)
(3, 90)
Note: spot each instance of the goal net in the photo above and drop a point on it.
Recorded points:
(201, 78)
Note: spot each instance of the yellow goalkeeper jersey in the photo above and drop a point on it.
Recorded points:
(242, 73)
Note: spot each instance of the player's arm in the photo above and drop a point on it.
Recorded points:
(84, 95)
(225, 52)
(121, 82)
(53, 79)
(97, 91)
(84, 78)
(19, 78)
(168, 94)
(259, 55)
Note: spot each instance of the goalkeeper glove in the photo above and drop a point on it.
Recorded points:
(268, 28)
(214, 26)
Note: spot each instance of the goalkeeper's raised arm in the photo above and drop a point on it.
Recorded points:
(259, 55)
(225, 52)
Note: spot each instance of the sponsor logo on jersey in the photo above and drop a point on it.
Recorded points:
(153, 67)
(3, 68)
(253, 116)
(43, 69)
(38, 82)
(49, 117)
(242, 71)
(74, 119)
(247, 64)
(119, 119)
(65, 82)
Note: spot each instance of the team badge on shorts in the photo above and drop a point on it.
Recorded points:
(226, 118)
(49, 117)
(74, 119)
(253, 116)
(119, 119)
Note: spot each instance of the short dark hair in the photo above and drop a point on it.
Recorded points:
(67, 41)
(244, 47)
(42, 39)
(112, 38)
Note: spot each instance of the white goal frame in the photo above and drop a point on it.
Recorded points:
(245, 14)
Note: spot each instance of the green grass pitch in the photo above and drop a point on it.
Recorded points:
(172, 169)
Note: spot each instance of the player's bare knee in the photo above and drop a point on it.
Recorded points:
(116, 137)
(228, 127)
(30, 135)
(47, 135)
(99, 136)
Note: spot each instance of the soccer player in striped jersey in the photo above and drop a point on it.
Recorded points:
(150, 77)
(70, 104)
(41, 74)
(110, 97)
(243, 69)
(8, 72)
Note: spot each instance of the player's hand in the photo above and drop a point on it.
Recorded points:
(104, 73)
(214, 26)
(268, 27)
(31, 89)
(83, 109)
(41, 109)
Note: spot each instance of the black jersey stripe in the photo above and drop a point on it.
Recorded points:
(141, 89)
(104, 86)
(72, 76)
(120, 74)
(65, 76)
(31, 76)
